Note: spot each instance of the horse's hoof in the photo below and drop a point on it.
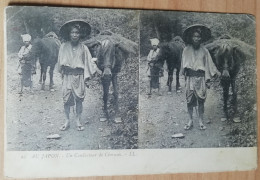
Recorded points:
(103, 119)
(118, 120)
(169, 92)
(178, 91)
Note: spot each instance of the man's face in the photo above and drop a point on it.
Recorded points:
(74, 35)
(26, 43)
(196, 38)
(154, 47)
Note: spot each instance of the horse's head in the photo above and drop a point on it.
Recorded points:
(170, 52)
(163, 54)
(104, 51)
(227, 56)
(35, 50)
(226, 59)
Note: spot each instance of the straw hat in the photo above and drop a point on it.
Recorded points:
(85, 28)
(188, 32)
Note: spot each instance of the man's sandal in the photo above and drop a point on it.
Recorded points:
(202, 127)
(188, 126)
(80, 128)
(64, 127)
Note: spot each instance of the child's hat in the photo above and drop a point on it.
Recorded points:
(154, 41)
(26, 37)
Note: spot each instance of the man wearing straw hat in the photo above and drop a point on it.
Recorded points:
(153, 71)
(76, 66)
(198, 68)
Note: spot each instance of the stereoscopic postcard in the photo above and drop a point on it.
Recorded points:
(101, 92)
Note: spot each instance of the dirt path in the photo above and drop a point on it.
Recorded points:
(33, 116)
(165, 115)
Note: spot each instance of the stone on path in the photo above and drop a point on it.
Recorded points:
(118, 120)
(178, 135)
(223, 119)
(103, 119)
(237, 120)
(54, 136)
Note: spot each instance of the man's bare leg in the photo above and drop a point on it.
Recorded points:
(31, 85)
(21, 87)
(201, 115)
(190, 123)
(66, 125)
(79, 108)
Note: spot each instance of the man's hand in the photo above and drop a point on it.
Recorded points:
(208, 84)
(217, 75)
(161, 72)
(22, 61)
(87, 83)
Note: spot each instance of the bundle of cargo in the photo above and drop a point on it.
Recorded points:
(121, 42)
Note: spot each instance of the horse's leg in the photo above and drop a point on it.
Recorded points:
(106, 84)
(40, 80)
(178, 86)
(115, 93)
(44, 70)
(31, 85)
(234, 95)
(226, 85)
(51, 76)
(170, 79)
(21, 81)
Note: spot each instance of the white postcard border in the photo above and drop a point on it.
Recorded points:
(46, 164)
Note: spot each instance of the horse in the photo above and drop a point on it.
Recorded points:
(109, 60)
(228, 57)
(47, 50)
(171, 52)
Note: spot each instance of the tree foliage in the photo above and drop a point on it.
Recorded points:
(38, 21)
(155, 23)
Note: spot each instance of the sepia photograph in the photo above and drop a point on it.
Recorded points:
(197, 80)
(72, 78)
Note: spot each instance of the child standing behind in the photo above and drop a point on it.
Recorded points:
(25, 67)
(153, 71)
